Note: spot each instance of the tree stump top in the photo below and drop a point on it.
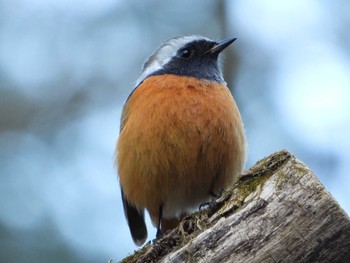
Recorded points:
(278, 211)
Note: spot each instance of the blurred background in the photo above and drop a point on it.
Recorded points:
(66, 67)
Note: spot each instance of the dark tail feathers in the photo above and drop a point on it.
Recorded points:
(136, 221)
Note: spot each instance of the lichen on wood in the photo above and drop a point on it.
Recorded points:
(276, 210)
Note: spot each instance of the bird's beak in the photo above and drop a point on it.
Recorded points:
(221, 45)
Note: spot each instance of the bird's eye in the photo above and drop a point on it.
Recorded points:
(186, 53)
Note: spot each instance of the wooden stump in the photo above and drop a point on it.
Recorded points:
(277, 212)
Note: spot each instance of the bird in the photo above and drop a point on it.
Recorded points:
(182, 140)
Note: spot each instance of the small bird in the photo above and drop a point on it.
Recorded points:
(181, 136)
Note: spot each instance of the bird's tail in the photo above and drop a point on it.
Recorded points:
(136, 221)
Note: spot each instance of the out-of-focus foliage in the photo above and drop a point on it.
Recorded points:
(67, 66)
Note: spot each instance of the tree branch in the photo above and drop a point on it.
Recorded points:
(277, 212)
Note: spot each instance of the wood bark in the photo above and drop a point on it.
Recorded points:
(277, 212)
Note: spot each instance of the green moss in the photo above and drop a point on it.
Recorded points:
(301, 170)
(281, 177)
(226, 205)
(259, 173)
(249, 186)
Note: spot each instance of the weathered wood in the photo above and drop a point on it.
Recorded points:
(278, 212)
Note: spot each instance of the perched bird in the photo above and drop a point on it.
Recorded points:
(181, 136)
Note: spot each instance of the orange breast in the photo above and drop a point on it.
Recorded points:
(182, 139)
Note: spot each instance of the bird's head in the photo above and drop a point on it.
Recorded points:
(192, 56)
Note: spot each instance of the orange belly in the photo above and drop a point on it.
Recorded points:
(182, 139)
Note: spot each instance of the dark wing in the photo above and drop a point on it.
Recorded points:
(124, 117)
(134, 216)
(136, 221)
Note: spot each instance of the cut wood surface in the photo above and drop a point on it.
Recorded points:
(277, 212)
